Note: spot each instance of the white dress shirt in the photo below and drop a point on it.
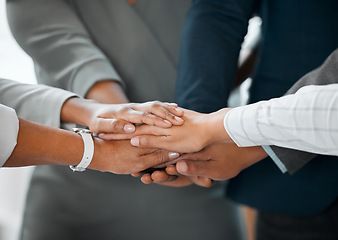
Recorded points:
(306, 120)
(9, 125)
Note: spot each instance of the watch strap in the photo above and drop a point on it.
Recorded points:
(88, 152)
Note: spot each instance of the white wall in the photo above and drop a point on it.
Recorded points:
(15, 65)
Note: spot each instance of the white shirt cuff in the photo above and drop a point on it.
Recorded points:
(241, 125)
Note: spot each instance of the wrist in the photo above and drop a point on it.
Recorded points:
(215, 127)
(102, 161)
(79, 111)
(88, 151)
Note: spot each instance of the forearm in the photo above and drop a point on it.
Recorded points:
(292, 159)
(41, 145)
(109, 91)
(302, 121)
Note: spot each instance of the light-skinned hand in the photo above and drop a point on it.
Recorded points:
(198, 131)
(120, 118)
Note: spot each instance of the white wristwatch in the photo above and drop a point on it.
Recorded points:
(87, 137)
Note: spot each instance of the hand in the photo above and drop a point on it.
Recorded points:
(219, 161)
(198, 131)
(116, 118)
(120, 118)
(170, 177)
(120, 157)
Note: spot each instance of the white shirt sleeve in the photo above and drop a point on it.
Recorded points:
(307, 121)
(9, 128)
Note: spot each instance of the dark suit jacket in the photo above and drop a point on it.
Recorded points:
(297, 37)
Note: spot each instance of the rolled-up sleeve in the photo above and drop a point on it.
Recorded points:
(9, 124)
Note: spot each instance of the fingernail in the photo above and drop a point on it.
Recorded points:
(182, 167)
(173, 105)
(180, 110)
(167, 122)
(173, 155)
(178, 119)
(135, 141)
(129, 128)
(101, 135)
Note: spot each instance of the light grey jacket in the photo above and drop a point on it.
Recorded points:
(107, 39)
(36, 103)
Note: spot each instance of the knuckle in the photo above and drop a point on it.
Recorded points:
(156, 104)
(140, 166)
(113, 123)
(124, 109)
(116, 125)
(145, 114)
(206, 182)
(162, 157)
(143, 141)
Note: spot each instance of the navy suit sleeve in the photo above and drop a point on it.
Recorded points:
(213, 33)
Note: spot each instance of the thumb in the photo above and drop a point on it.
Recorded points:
(149, 141)
(108, 125)
(194, 168)
(159, 157)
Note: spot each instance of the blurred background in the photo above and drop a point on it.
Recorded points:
(14, 65)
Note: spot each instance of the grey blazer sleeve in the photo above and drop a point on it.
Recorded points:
(63, 52)
(325, 74)
(37, 103)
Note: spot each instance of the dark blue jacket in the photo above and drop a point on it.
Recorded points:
(297, 36)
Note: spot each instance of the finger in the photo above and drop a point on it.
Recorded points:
(163, 110)
(150, 141)
(202, 181)
(198, 156)
(157, 158)
(194, 168)
(171, 170)
(162, 176)
(158, 118)
(169, 113)
(138, 174)
(106, 125)
(146, 179)
(176, 111)
(166, 164)
(170, 107)
(140, 130)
